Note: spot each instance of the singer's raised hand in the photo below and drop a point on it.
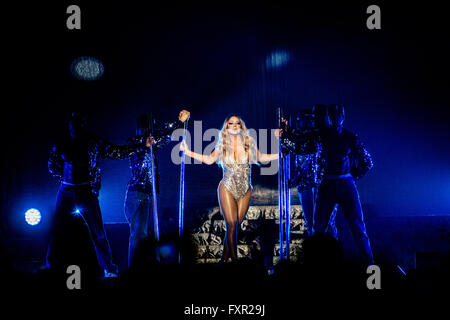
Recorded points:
(278, 133)
(184, 115)
(183, 146)
(150, 140)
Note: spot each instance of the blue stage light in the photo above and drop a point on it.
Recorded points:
(77, 211)
(32, 216)
(87, 68)
(277, 59)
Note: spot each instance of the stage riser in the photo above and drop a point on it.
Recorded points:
(258, 234)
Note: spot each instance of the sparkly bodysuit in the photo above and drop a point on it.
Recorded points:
(236, 178)
(237, 174)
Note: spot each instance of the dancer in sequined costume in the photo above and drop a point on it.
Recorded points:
(74, 162)
(343, 159)
(139, 197)
(306, 174)
(235, 152)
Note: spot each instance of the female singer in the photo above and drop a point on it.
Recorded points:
(235, 151)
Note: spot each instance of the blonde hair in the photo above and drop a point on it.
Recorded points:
(221, 145)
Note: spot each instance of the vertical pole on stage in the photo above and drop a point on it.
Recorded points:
(154, 194)
(284, 199)
(280, 188)
(287, 206)
(181, 197)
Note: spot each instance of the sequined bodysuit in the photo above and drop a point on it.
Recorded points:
(237, 172)
(236, 178)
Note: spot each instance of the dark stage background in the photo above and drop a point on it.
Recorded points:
(212, 58)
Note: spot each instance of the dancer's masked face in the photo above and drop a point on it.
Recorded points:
(320, 116)
(234, 126)
(336, 115)
(77, 125)
(142, 125)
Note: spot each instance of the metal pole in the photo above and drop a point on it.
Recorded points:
(280, 187)
(181, 197)
(287, 205)
(155, 200)
(154, 194)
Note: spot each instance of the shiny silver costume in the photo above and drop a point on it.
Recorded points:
(236, 174)
(236, 178)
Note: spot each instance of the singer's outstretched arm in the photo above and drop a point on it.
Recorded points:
(200, 157)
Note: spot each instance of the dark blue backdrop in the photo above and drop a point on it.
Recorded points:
(211, 57)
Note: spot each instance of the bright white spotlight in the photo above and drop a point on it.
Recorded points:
(32, 217)
(87, 68)
(76, 211)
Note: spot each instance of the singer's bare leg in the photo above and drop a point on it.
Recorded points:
(243, 205)
(234, 213)
(229, 208)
